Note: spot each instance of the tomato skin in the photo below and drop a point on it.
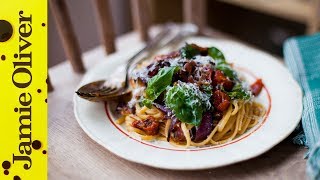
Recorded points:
(173, 54)
(220, 78)
(221, 101)
(256, 87)
(203, 50)
(150, 126)
(190, 66)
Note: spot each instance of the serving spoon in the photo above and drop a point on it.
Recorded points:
(98, 91)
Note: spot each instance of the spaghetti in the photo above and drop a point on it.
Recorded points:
(191, 97)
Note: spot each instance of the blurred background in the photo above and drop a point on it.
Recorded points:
(262, 23)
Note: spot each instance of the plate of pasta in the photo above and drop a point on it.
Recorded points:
(205, 104)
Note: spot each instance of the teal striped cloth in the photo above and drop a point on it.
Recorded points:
(302, 57)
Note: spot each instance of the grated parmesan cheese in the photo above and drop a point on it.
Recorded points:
(136, 94)
(203, 60)
(195, 89)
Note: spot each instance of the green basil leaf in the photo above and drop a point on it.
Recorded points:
(187, 103)
(221, 63)
(188, 51)
(238, 92)
(146, 102)
(216, 54)
(157, 84)
(207, 89)
(227, 70)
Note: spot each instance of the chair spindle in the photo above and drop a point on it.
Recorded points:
(104, 19)
(141, 17)
(67, 34)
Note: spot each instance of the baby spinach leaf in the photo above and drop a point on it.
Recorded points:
(187, 103)
(158, 83)
(188, 51)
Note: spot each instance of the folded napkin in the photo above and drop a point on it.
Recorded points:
(302, 57)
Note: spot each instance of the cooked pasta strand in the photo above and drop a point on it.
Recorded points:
(238, 118)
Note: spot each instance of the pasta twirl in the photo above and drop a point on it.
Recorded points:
(191, 97)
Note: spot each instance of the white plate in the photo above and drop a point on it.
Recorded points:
(281, 96)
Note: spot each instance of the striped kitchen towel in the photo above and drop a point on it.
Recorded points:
(302, 57)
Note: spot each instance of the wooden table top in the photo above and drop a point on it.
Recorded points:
(73, 155)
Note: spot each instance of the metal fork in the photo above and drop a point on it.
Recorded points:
(100, 91)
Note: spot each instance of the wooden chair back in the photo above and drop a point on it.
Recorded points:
(194, 11)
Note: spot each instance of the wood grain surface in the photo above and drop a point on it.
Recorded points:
(73, 155)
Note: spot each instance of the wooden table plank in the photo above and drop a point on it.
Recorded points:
(73, 155)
